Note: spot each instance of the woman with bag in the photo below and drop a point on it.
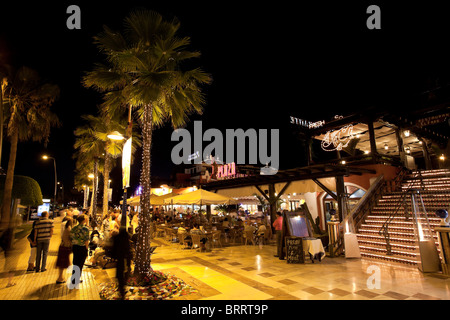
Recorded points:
(32, 258)
(65, 249)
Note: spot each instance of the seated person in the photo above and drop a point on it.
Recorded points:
(199, 230)
(181, 232)
(97, 258)
(94, 240)
(261, 230)
(249, 227)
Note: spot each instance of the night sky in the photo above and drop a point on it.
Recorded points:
(268, 60)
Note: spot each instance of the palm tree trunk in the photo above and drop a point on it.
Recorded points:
(95, 189)
(7, 194)
(93, 207)
(106, 171)
(143, 255)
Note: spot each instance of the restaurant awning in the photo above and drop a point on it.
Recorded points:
(199, 197)
(301, 186)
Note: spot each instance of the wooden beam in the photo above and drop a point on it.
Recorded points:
(262, 192)
(326, 189)
(283, 190)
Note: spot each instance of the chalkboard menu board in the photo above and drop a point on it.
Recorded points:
(294, 250)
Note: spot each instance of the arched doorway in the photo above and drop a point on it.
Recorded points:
(355, 193)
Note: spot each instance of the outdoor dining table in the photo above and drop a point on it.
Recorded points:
(314, 248)
(209, 236)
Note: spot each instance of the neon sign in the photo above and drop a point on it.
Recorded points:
(226, 170)
(338, 139)
(306, 123)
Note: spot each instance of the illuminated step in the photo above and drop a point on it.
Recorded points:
(391, 228)
(375, 237)
(397, 246)
(383, 250)
(402, 218)
(389, 258)
(397, 234)
(394, 224)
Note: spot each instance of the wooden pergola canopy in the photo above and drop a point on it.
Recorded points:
(313, 172)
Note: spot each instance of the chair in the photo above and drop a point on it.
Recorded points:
(196, 244)
(160, 232)
(248, 236)
(216, 238)
(261, 237)
(182, 237)
(168, 233)
(236, 234)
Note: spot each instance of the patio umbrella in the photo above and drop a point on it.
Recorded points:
(199, 197)
(136, 201)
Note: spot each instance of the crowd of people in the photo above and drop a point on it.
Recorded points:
(84, 236)
(93, 240)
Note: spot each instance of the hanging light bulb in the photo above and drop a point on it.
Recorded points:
(406, 133)
(386, 147)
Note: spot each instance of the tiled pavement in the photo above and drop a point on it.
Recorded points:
(240, 272)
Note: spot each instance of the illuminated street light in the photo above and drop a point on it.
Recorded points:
(46, 157)
(116, 135)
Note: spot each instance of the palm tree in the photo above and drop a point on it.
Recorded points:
(27, 103)
(143, 71)
(97, 151)
(89, 149)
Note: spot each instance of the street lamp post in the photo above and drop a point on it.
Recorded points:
(45, 157)
(126, 159)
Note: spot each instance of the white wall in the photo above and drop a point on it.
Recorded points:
(311, 202)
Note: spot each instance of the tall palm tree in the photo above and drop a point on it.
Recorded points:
(27, 102)
(143, 72)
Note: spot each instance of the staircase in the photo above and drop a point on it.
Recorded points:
(434, 186)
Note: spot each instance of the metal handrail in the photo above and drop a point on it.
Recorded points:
(384, 230)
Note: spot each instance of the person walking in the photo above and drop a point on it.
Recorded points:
(278, 225)
(42, 236)
(64, 251)
(30, 238)
(80, 243)
(122, 253)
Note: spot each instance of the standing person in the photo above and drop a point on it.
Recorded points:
(135, 222)
(105, 228)
(30, 238)
(115, 225)
(278, 225)
(80, 243)
(121, 251)
(44, 232)
(65, 248)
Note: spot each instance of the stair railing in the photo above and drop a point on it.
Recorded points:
(384, 230)
(365, 205)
